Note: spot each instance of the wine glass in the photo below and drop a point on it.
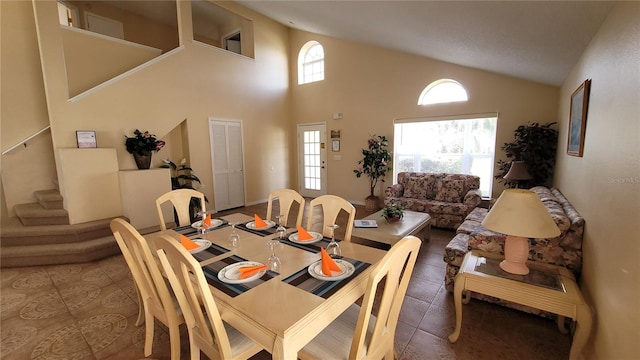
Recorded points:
(273, 262)
(202, 227)
(333, 249)
(234, 237)
(281, 231)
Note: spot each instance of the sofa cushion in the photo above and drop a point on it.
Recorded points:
(558, 215)
(477, 214)
(449, 190)
(415, 188)
(441, 207)
(544, 193)
(410, 204)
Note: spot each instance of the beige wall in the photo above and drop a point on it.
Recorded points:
(23, 110)
(193, 82)
(604, 185)
(90, 58)
(137, 29)
(373, 86)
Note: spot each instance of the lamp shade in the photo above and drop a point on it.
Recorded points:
(520, 213)
(518, 171)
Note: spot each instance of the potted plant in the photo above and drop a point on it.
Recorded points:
(182, 177)
(536, 145)
(392, 213)
(141, 145)
(375, 164)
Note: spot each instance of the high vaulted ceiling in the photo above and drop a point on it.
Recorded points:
(533, 40)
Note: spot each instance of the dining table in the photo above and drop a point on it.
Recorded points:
(284, 310)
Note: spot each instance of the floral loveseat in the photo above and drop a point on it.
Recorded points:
(564, 250)
(448, 198)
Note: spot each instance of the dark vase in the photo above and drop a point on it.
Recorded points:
(142, 161)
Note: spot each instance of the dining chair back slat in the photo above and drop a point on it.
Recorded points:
(156, 300)
(207, 332)
(180, 200)
(331, 207)
(286, 198)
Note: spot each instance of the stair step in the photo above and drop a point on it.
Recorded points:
(49, 199)
(55, 244)
(34, 214)
(14, 233)
(50, 254)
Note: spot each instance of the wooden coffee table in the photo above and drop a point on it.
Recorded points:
(389, 233)
(547, 287)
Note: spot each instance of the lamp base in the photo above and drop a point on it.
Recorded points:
(516, 253)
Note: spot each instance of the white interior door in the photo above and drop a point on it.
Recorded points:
(227, 163)
(312, 159)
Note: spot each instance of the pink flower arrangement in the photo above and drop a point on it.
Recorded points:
(143, 143)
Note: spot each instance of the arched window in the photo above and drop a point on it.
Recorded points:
(310, 63)
(443, 91)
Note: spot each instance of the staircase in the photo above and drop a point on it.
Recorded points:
(41, 235)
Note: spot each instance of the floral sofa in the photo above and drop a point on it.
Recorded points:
(448, 198)
(564, 250)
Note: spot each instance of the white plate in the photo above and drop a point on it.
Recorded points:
(252, 225)
(231, 275)
(214, 223)
(204, 245)
(315, 270)
(316, 237)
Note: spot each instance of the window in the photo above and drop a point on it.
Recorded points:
(310, 63)
(442, 91)
(461, 146)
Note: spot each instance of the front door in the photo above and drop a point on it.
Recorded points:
(312, 159)
(227, 163)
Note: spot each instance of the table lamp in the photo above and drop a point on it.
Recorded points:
(519, 214)
(518, 172)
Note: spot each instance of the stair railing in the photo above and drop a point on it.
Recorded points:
(24, 142)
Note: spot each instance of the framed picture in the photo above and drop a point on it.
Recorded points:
(335, 134)
(86, 139)
(335, 145)
(578, 118)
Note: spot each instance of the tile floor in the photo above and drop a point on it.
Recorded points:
(89, 310)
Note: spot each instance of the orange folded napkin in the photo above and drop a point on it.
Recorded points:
(188, 243)
(247, 271)
(259, 223)
(207, 220)
(304, 234)
(328, 265)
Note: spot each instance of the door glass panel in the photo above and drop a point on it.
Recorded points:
(312, 160)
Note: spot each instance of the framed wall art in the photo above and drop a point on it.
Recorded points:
(578, 118)
(335, 145)
(86, 139)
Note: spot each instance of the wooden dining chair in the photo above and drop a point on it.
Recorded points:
(331, 206)
(359, 334)
(286, 198)
(207, 332)
(180, 199)
(155, 299)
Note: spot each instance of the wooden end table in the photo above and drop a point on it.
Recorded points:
(390, 233)
(546, 287)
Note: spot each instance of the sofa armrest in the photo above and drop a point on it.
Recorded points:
(456, 249)
(394, 191)
(473, 198)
